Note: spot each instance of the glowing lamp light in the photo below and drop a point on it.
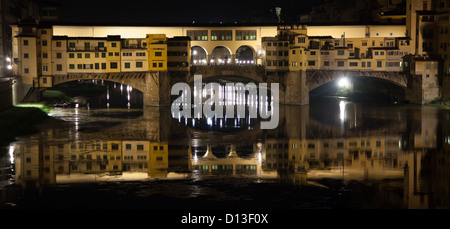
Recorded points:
(344, 82)
(9, 67)
(194, 52)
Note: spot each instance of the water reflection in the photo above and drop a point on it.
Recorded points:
(398, 154)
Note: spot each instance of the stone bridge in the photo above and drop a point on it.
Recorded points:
(295, 86)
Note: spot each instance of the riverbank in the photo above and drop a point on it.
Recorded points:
(18, 121)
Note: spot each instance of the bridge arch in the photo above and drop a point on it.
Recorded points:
(136, 80)
(221, 55)
(315, 79)
(245, 54)
(199, 55)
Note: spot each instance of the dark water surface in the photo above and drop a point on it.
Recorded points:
(330, 154)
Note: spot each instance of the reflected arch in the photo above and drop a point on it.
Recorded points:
(221, 55)
(245, 55)
(199, 55)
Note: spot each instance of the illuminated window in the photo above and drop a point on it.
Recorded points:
(221, 35)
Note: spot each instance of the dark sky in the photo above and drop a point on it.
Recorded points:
(167, 11)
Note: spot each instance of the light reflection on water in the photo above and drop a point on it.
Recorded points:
(399, 153)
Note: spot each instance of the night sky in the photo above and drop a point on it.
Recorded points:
(138, 11)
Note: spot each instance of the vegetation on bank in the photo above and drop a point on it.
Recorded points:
(69, 92)
(17, 121)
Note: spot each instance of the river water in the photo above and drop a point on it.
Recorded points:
(330, 154)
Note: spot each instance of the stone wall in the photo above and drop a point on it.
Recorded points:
(5, 94)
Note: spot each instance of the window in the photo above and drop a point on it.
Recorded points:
(155, 147)
(101, 44)
(198, 35)
(71, 55)
(97, 66)
(154, 65)
(45, 68)
(25, 42)
(44, 80)
(26, 70)
(71, 66)
(87, 46)
(245, 35)
(301, 40)
(79, 66)
(158, 53)
(128, 146)
(341, 52)
(379, 64)
(71, 44)
(79, 55)
(97, 55)
(58, 55)
(103, 65)
(313, 53)
(44, 42)
(294, 64)
(140, 147)
(140, 54)
(221, 35)
(103, 54)
(326, 63)
(340, 63)
(113, 44)
(58, 44)
(369, 64)
(113, 65)
(161, 147)
(127, 65)
(138, 64)
(311, 63)
(116, 54)
(43, 31)
(87, 55)
(59, 67)
(353, 64)
(428, 66)
(25, 55)
(363, 64)
(110, 54)
(376, 53)
(160, 65)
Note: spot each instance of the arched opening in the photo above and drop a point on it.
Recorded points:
(221, 55)
(199, 56)
(361, 89)
(93, 94)
(245, 55)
